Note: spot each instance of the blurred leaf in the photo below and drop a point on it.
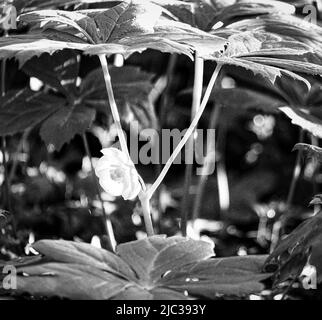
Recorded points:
(153, 268)
(75, 113)
(65, 123)
(22, 109)
(305, 120)
(132, 88)
(310, 151)
(59, 72)
(316, 200)
(299, 247)
(3, 218)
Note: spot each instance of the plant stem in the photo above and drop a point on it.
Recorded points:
(113, 107)
(188, 133)
(116, 117)
(107, 222)
(145, 203)
(196, 98)
(209, 162)
(296, 173)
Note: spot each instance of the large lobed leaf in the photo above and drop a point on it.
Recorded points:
(153, 268)
(266, 54)
(205, 14)
(131, 26)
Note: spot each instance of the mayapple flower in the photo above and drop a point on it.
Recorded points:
(117, 174)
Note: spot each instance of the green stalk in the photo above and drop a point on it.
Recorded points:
(209, 162)
(145, 203)
(108, 228)
(113, 106)
(196, 98)
(188, 133)
(116, 117)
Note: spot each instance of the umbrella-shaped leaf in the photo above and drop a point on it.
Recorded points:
(153, 268)
(131, 26)
(256, 51)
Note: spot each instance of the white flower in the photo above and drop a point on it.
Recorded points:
(117, 174)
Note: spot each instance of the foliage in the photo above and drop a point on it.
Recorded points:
(271, 57)
(153, 268)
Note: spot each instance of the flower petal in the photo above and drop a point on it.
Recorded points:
(113, 188)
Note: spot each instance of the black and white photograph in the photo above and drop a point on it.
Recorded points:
(163, 156)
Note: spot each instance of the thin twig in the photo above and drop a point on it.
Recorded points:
(107, 222)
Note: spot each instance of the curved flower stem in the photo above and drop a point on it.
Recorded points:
(188, 133)
(145, 200)
(107, 222)
(296, 173)
(114, 110)
(196, 98)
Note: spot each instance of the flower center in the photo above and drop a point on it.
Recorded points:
(116, 174)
